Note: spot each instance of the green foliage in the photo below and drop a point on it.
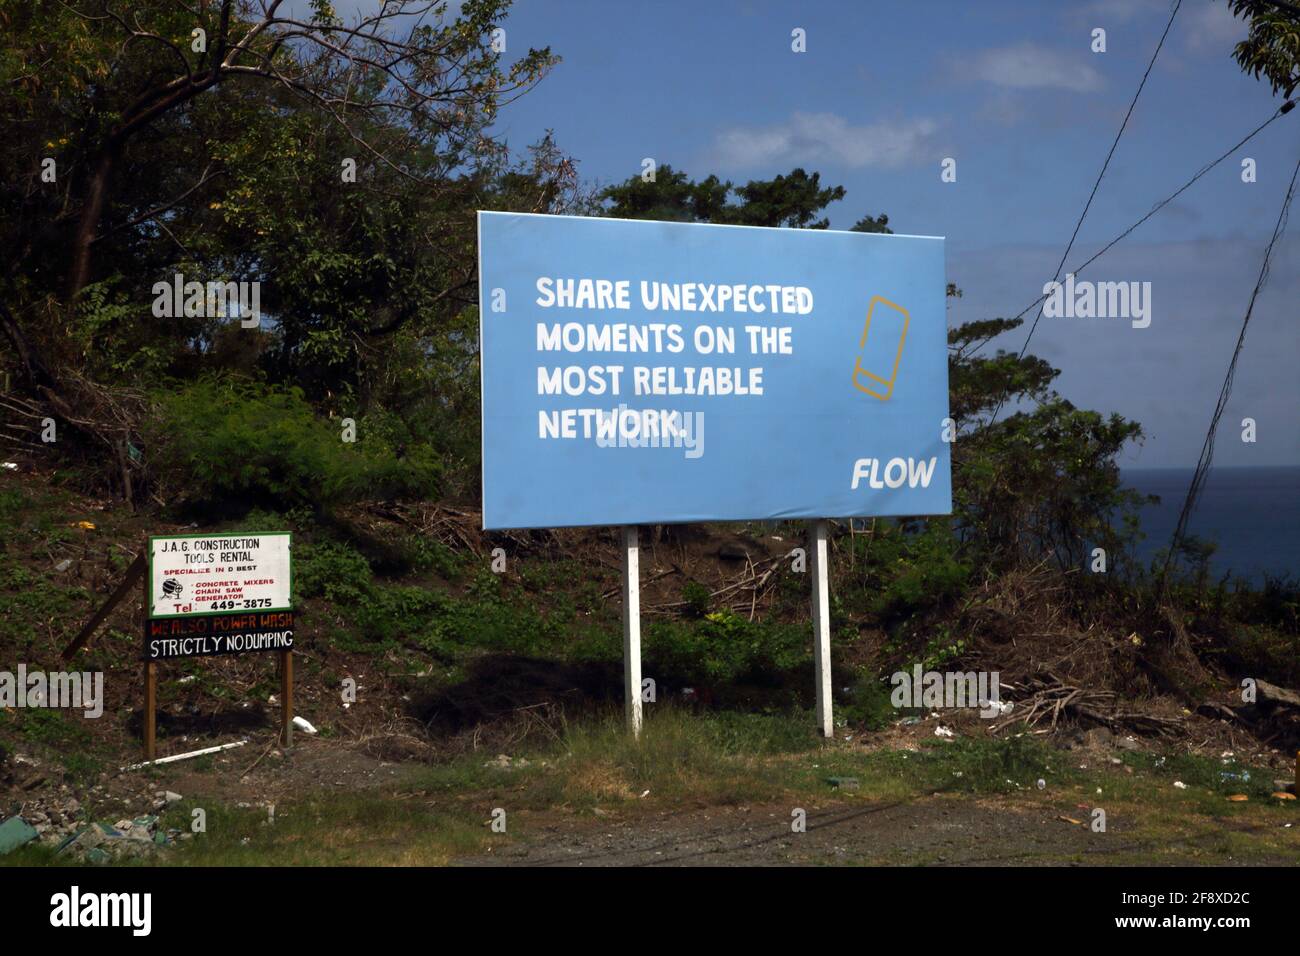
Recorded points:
(332, 570)
(943, 648)
(489, 618)
(45, 726)
(916, 570)
(1218, 775)
(228, 445)
(1043, 479)
(977, 765)
(397, 614)
(724, 648)
(1276, 604)
(732, 733)
(62, 734)
(1260, 649)
(379, 614)
(1000, 765)
(367, 288)
(429, 554)
(1255, 630)
(671, 196)
(30, 602)
(868, 704)
(12, 502)
(1046, 483)
(103, 310)
(1272, 48)
(876, 224)
(977, 382)
(697, 597)
(792, 200)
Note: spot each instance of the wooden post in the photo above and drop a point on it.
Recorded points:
(632, 629)
(150, 707)
(286, 698)
(133, 572)
(821, 614)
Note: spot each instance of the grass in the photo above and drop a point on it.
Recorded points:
(686, 762)
(82, 758)
(970, 766)
(329, 830)
(680, 758)
(30, 602)
(319, 830)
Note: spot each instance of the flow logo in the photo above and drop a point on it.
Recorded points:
(894, 473)
(876, 367)
(76, 909)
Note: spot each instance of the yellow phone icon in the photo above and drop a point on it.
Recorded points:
(884, 326)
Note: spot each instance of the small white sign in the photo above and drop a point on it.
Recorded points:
(192, 575)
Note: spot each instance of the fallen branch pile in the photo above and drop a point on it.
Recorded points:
(1053, 700)
(109, 417)
(456, 529)
(741, 595)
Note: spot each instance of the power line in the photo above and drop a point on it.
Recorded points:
(1281, 111)
(1207, 449)
(1092, 195)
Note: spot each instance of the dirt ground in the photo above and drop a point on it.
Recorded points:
(936, 831)
(1024, 828)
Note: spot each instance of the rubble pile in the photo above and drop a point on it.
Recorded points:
(63, 826)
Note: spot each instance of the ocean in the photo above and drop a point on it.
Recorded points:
(1252, 514)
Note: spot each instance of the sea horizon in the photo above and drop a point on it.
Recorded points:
(1250, 512)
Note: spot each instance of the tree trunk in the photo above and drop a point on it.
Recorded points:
(35, 373)
(91, 215)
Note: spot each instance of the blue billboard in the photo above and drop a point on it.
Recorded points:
(640, 372)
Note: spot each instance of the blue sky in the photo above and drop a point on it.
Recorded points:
(888, 88)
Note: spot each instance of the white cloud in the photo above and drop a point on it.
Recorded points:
(1029, 66)
(826, 137)
(1213, 29)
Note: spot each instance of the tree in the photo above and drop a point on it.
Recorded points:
(98, 85)
(876, 224)
(793, 200)
(1272, 49)
(207, 139)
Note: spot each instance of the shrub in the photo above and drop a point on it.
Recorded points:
(697, 598)
(918, 570)
(226, 445)
(331, 570)
(725, 648)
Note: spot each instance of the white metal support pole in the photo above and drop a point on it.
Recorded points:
(821, 613)
(632, 629)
